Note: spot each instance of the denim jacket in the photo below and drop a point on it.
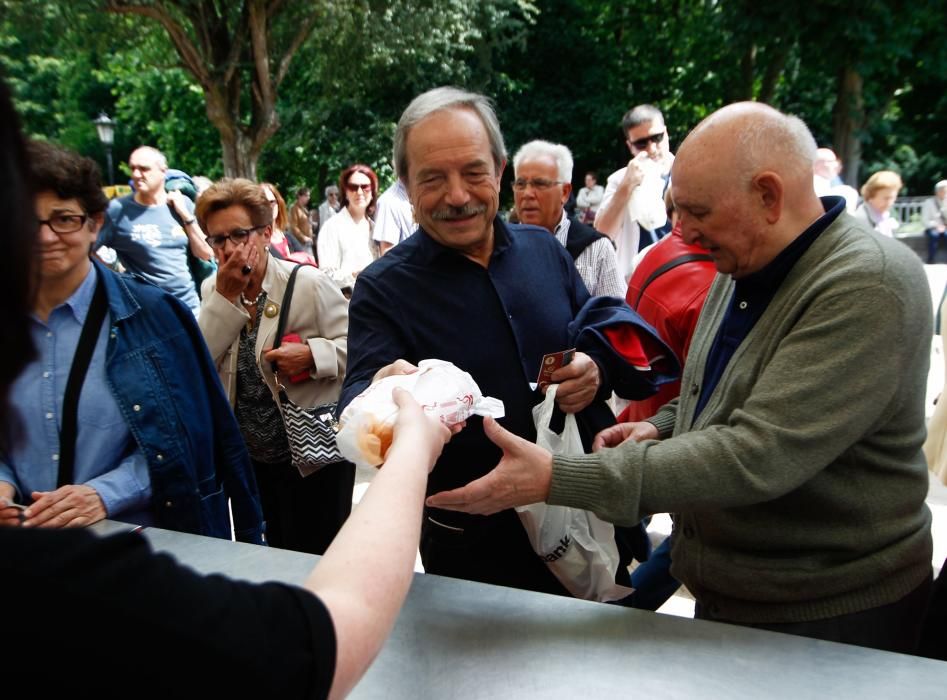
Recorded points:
(165, 383)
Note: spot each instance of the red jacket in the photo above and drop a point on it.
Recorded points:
(671, 303)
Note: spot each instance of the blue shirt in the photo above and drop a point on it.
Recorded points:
(106, 458)
(752, 295)
(151, 243)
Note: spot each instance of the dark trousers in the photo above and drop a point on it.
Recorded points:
(933, 236)
(893, 627)
(934, 633)
(652, 580)
(494, 549)
(304, 514)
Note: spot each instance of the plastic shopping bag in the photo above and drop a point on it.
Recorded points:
(366, 426)
(578, 547)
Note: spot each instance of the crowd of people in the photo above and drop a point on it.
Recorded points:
(725, 324)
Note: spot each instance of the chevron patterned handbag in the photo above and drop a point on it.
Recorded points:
(310, 431)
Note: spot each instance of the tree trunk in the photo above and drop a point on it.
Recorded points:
(848, 119)
(238, 156)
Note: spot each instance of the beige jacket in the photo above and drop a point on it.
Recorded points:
(318, 313)
(935, 447)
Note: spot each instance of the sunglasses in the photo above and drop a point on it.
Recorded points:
(642, 143)
(352, 187)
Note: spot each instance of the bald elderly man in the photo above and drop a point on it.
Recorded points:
(152, 229)
(792, 459)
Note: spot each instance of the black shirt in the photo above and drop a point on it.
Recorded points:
(106, 617)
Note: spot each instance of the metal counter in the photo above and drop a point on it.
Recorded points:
(458, 639)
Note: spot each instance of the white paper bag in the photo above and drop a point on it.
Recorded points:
(578, 547)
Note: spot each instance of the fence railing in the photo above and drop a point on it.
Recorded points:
(907, 210)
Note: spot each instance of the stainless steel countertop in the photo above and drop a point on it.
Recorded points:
(458, 639)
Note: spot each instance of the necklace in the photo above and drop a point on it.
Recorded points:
(250, 302)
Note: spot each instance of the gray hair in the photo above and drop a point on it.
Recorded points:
(331, 189)
(538, 149)
(639, 115)
(942, 185)
(437, 100)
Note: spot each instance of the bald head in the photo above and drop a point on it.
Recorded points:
(743, 185)
(753, 137)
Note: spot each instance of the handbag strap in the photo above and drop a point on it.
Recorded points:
(284, 311)
(77, 373)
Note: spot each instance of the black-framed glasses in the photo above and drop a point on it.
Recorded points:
(65, 223)
(238, 236)
(642, 143)
(537, 183)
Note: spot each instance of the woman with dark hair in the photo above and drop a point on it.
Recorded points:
(345, 240)
(121, 411)
(163, 628)
(240, 315)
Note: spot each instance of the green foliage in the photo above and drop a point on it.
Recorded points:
(563, 70)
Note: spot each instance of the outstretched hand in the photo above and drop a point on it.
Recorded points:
(617, 434)
(521, 477)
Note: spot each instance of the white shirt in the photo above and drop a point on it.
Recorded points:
(394, 216)
(628, 239)
(344, 247)
(596, 265)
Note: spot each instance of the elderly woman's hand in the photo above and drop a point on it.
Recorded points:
(231, 278)
(291, 358)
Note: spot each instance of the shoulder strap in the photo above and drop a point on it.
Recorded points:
(80, 366)
(580, 238)
(284, 311)
(670, 265)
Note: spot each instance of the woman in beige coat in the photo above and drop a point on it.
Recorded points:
(239, 315)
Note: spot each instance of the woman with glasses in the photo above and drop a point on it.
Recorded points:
(345, 240)
(240, 314)
(122, 413)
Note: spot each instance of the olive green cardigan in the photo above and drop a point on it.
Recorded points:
(798, 493)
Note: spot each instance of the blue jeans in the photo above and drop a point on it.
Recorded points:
(652, 580)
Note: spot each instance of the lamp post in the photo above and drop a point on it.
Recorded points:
(106, 129)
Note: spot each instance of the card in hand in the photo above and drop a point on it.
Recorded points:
(551, 363)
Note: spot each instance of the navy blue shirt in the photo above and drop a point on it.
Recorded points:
(423, 300)
(752, 295)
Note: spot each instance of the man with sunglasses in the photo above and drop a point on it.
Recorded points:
(152, 229)
(632, 211)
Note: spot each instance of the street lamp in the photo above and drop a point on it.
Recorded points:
(106, 129)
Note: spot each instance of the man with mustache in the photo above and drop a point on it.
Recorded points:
(492, 299)
(151, 229)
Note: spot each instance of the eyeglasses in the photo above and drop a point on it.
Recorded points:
(238, 236)
(65, 223)
(364, 187)
(642, 143)
(537, 183)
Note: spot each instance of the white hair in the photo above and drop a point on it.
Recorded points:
(539, 149)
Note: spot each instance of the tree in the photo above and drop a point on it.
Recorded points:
(227, 46)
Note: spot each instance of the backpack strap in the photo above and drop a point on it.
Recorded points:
(670, 265)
